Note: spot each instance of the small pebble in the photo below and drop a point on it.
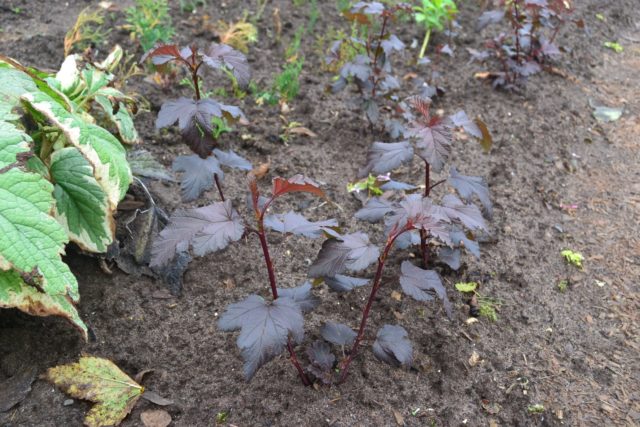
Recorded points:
(67, 402)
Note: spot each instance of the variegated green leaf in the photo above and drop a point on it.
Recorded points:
(103, 151)
(13, 84)
(81, 204)
(122, 119)
(15, 293)
(12, 142)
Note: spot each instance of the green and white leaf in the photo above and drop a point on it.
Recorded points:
(144, 164)
(81, 204)
(112, 60)
(32, 240)
(103, 151)
(68, 77)
(15, 293)
(13, 84)
(122, 120)
(94, 80)
(12, 142)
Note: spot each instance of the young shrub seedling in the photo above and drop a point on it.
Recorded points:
(149, 22)
(370, 69)
(433, 15)
(531, 44)
(201, 119)
(267, 327)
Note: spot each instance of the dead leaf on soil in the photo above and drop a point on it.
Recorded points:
(396, 295)
(474, 359)
(301, 130)
(154, 397)
(101, 381)
(399, 418)
(491, 408)
(16, 388)
(261, 170)
(155, 418)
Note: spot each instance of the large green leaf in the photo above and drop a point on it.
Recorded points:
(12, 142)
(122, 119)
(13, 84)
(15, 293)
(103, 151)
(81, 204)
(32, 241)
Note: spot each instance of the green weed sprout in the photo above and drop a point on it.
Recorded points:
(433, 15)
(572, 257)
(149, 21)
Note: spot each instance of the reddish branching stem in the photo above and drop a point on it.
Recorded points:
(377, 283)
(217, 180)
(424, 248)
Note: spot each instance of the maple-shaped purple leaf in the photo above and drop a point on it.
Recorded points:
(392, 345)
(322, 361)
(294, 223)
(421, 213)
(451, 257)
(296, 184)
(370, 8)
(469, 215)
(383, 157)
(359, 67)
(224, 226)
(371, 110)
(460, 119)
(221, 55)
(375, 209)
(392, 185)
(433, 141)
(405, 240)
(194, 120)
(392, 43)
(338, 333)
(460, 240)
(209, 228)
(527, 69)
(163, 53)
(489, 17)
(395, 128)
(348, 252)
(197, 174)
(301, 295)
(467, 186)
(548, 48)
(340, 283)
(423, 285)
(265, 328)
(232, 159)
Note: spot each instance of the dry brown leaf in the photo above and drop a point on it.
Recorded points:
(155, 418)
(301, 130)
(399, 418)
(474, 359)
(261, 170)
(396, 295)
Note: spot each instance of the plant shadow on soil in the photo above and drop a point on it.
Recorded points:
(575, 353)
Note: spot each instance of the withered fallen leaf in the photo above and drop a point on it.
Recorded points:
(399, 418)
(474, 359)
(396, 295)
(261, 170)
(301, 130)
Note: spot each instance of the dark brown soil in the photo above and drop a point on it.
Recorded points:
(576, 353)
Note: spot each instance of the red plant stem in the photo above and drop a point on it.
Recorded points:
(217, 180)
(374, 80)
(423, 233)
(274, 292)
(517, 28)
(194, 77)
(344, 366)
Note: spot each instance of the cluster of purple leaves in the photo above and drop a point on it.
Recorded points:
(195, 116)
(371, 69)
(531, 43)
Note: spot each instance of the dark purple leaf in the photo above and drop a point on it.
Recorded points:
(163, 53)
(478, 55)
(340, 283)
(527, 69)
(197, 174)
(359, 68)
(423, 285)
(349, 252)
(388, 84)
(451, 257)
(370, 8)
(395, 128)
(446, 49)
(221, 55)
(393, 346)
(207, 229)
(467, 186)
(460, 119)
(264, 328)
(232, 159)
(548, 48)
(337, 333)
(371, 109)
(172, 272)
(294, 223)
(433, 142)
(469, 215)
(383, 157)
(334, 52)
(301, 295)
(460, 240)
(322, 361)
(391, 44)
(410, 238)
(421, 213)
(488, 18)
(392, 185)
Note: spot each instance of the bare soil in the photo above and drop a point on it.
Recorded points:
(558, 178)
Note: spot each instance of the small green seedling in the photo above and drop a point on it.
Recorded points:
(369, 184)
(466, 287)
(600, 17)
(486, 307)
(563, 285)
(221, 417)
(572, 257)
(615, 46)
(535, 409)
(433, 15)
